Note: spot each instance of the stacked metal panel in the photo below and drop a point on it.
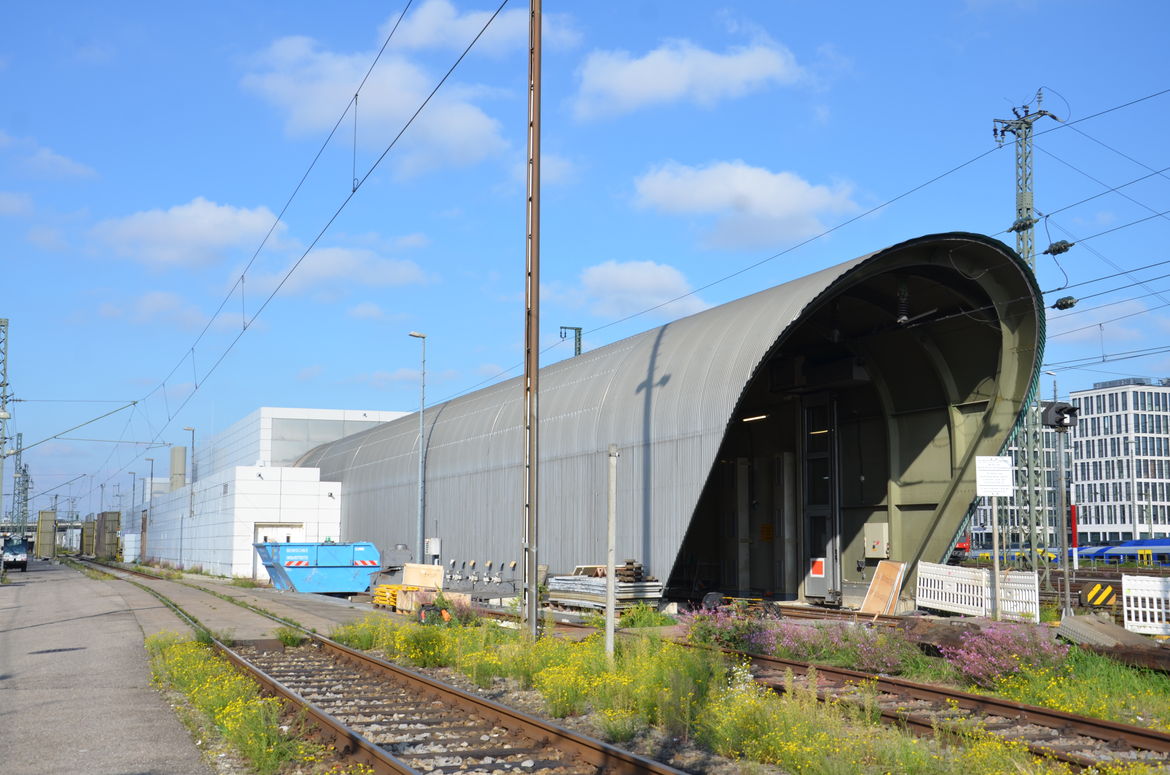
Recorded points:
(589, 592)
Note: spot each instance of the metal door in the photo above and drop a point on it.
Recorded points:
(285, 533)
(822, 523)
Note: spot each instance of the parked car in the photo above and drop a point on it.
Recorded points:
(15, 554)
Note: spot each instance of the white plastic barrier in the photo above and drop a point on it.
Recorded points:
(1146, 604)
(1019, 596)
(947, 588)
(968, 591)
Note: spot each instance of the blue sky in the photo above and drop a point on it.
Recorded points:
(147, 148)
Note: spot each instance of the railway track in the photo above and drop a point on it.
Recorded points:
(1079, 741)
(396, 720)
(417, 724)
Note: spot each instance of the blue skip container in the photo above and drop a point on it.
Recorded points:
(320, 568)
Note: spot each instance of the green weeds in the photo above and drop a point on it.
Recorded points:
(694, 694)
(249, 722)
(290, 636)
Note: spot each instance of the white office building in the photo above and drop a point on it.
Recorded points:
(244, 488)
(1121, 460)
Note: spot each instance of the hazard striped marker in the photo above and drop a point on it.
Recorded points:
(1098, 594)
(295, 563)
(365, 562)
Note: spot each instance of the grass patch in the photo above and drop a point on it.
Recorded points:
(93, 573)
(694, 694)
(245, 582)
(158, 572)
(290, 637)
(1018, 662)
(1093, 685)
(249, 722)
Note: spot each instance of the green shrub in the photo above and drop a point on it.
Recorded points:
(644, 615)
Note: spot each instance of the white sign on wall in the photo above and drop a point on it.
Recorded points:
(993, 476)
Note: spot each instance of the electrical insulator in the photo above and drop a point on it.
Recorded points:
(1058, 247)
(1065, 302)
(1022, 224)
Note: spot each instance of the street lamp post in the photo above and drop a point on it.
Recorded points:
(149, 505)
(190, 496)
(422, 399)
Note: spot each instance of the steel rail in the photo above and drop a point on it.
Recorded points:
(348, 742)
(1100, 729)
(607, 758)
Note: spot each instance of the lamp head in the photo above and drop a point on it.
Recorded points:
(418, 335)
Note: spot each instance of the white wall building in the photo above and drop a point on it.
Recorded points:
(244, 489)
(1121, 460)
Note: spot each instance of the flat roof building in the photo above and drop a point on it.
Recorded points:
(1121, 460)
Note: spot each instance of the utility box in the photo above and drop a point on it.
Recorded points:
(877, 540)
(432, 547)
(320, 568)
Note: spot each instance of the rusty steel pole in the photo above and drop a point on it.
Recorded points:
(532, 330)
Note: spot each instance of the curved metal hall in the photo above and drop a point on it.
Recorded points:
(779, 445)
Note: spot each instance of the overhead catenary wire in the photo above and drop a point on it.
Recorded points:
(288, 203)
(826, 232)
(706, 286)
(321, 233)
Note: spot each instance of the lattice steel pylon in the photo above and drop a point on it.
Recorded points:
(3, 407)
(20, 491)
(1029, 477)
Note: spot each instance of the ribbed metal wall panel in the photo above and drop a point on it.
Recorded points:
(665, 397)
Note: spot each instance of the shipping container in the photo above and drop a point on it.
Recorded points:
(88, 531)
(46, 546)
(107, 545)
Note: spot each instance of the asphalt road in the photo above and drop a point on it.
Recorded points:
(75, 693)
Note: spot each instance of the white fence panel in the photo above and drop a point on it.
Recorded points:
(947, 588)
(1147, 604)
(1019, 596)
(968, 591)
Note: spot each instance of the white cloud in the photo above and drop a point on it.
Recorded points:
(52, 164)
(311, 85)
(310, 373)
(437, 24)
(47, 238)
(384, 379)
(12, 203)
(410, 241)
(367, 310)
(199, 233)
(331, 270)
(616, 289)
(156, 308)
(554, 169)
(613, 82)
(753, 206)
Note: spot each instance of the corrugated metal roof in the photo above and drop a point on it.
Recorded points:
(665, 397)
